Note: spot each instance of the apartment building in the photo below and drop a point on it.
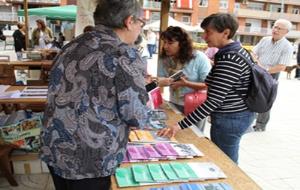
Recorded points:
(256, 17)
(9, 8)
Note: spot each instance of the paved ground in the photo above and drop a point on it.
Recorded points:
(271, 158)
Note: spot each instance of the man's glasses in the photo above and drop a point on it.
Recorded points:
(143, 23)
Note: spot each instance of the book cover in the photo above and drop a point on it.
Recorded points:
(161, 139)
(186, 150)
(155, 98)
(141, 173)
(133, 137)
(170, 173)
(207, 170)
(165, 149)
(217, 186)
(151, 152)
(192, 175)
(125, 178)
(180, 170)
(144, 136)
(191, 186)
(136, 153)
(157, 173)
(24, 134)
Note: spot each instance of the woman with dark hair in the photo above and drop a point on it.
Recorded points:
(228, 84)
(42, 35)
(96, 94)
(178, 54)
(19, 40)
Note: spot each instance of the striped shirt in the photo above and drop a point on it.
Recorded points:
(271, 54)
(227, 82)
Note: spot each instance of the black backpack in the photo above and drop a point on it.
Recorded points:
(263, 87)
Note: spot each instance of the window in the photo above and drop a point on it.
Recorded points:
(186, 19)
(256, 6)
(223, 4)
(296, 11)
(203, 3)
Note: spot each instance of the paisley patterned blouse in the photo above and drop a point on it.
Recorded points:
(96, 92)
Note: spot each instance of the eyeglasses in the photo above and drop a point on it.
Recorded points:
(143, 23)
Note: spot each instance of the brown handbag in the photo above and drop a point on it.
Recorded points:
(193, 100)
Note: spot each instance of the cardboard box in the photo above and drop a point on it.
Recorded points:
(27, 167)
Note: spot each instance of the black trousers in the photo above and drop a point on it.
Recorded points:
(100, 183)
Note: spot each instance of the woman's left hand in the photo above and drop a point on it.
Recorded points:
(179, 83)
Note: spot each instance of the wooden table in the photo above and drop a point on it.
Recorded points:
(238, 179)
(7, 69)
(28, 63)
(11, 104)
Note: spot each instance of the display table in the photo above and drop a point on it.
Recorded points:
(235, 176)
(7, 69)
(10, 104)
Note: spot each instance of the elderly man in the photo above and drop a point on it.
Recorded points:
(274, 53)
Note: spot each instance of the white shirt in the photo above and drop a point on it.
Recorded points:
(271, 54)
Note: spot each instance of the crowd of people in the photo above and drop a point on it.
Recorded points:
(97, 89)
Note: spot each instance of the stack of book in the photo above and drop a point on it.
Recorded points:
(193, 186)
(156, 173)
(160, 151)
(145, 136)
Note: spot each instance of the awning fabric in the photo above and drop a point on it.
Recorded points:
(67, 12)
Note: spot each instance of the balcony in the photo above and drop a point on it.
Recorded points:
(286, 2)
(266, 15)
(152, 5)
(260, 31)
(37, 2)
(8, 17)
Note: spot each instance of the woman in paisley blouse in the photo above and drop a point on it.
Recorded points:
(96, 93)
(178, 54)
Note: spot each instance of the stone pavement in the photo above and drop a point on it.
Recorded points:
(270, 158)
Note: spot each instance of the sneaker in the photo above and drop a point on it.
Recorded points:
(257, 129)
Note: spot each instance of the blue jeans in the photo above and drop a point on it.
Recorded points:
(227, 130)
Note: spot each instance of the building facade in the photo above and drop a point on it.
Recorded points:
(256, 17)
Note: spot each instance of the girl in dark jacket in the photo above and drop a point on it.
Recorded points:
(19, 39)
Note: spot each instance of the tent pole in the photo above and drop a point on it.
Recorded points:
(164, 18)
(26, 23)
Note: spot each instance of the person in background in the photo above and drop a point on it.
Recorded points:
(227, 86)
(2, 36)
(41, 36)
(88, 28)
(19, 40)
(61, 39)
(210, 52)
(178, 54)
(273, 53)
(297, 76)
(141, 45)
(96, 94)
(151, 42)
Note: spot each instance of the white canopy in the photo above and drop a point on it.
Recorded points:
(172, 22)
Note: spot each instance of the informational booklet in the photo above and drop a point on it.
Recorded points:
(157, 173)
(207, 170)
(125, 178)
(186, 150)
(24, 134)
(141, 173)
